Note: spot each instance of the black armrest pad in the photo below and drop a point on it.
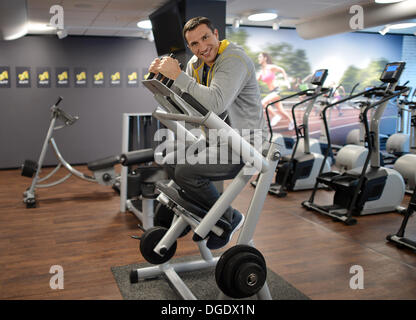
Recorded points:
(137, 157)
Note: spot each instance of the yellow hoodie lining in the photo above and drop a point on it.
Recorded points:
(223, 45)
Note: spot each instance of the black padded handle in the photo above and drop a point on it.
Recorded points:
(137, 157)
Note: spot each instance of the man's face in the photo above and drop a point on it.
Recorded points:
(203, 43)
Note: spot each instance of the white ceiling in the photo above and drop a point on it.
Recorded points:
(120, 17)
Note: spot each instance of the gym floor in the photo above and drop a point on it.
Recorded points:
(79, 226)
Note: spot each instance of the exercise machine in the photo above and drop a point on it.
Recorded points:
(241, 270)
(399, 238)
(369, 189)
(138, 172)
(406, 164)
(299, 171)
(397, 144)
(102, 169)
(286, 144)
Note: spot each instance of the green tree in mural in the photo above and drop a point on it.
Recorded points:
(367, 77)
(370, 76)
(240, 37)
(295, 62)
(350, 77)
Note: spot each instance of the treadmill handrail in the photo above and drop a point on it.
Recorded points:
(300, 93)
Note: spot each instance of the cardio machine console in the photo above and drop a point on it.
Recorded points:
(392, 72)
(319, 77)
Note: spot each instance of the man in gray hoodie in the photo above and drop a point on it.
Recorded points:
(222, 78)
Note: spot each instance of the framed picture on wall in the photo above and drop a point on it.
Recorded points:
(62, 77)
(132, 77)
(98, 78)
(43, 77)
(23, 77)
(80, 77)
(4, 77)
(115, 78)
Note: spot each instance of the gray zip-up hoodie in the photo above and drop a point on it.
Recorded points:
(231, 86)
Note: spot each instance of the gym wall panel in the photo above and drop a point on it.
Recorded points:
(25, 112)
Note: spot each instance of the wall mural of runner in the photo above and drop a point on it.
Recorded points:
(285, 62)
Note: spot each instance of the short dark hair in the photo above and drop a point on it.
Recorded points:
(195, 22)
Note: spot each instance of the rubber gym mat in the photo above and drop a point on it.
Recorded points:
(201, 283)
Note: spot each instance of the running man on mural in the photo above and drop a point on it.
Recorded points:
(268, 74)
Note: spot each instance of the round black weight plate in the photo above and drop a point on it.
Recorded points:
(227, 269)
(149, 241)
(229, 253)
(234, 273)
(249, 278)
(29, 168)
(163, 217)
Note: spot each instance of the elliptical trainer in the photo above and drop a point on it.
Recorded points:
(299, 171)
(406, 164)
(368, 189)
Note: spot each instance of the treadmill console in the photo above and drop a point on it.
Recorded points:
(392, 72)
(319, 77)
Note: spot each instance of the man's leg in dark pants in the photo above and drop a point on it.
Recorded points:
(196, 179)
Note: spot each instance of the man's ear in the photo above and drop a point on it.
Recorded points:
(216, 33)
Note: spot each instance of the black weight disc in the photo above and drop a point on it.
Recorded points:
(29, 168)
(249, 279)
(227, 270)
(234, 273)
(149, 241)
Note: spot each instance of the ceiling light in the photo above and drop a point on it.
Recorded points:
(144, 24)
(265, 16)
(17, 35)
(403, 25)
(388, 1)
(39, 27)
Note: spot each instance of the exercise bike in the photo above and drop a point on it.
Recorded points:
(102, 169)
(240, 271)
(369, 189)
